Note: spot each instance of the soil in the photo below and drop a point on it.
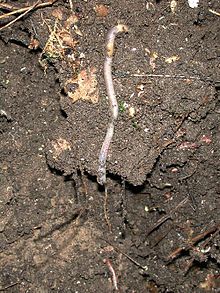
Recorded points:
(155, 228)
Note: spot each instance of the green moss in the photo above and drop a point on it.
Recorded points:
(122, 106)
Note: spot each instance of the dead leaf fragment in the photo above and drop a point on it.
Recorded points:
(78, 31)
(131, 111)
(211, 282)
(67, 40)
(71, 21)
(172, 59)
(60, 40)
(57, 13)
(173, 6)
(153, 57)
(101, 10)
(84, 87)
(34, 44)
(60, 146)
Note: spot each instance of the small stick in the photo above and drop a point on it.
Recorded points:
(20, 10)
(158, 224)
(71, 5)
(126, 255)
(20, 16)
(192, 242)
(165, 218)
(113, 105)
(111, 269)
(203, 245)
(166, 76)
(8, 7)
(214, 12)
(161, 237)
(25, 11)
(9, 286)
(183, 77)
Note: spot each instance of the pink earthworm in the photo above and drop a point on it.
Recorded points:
(111, 269)
(113, 104)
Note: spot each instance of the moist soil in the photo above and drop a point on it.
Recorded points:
(155, 227)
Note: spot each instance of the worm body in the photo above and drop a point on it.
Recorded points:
(113, 104)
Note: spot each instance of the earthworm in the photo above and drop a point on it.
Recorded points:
(113, 104)
(111, 269)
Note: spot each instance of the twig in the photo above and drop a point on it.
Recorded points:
(166, 76)
(158, 224)
(20, 16)
(192, 242)
(205, 243)
(165, 218)
(131, 259)
(161, 237)
(71, 5)
(7, 6)
(202, 246)
(9, 286)
(20, 10)
(25, 11)
(126, 255)
(111, 269)
(214, 12)
(183, 77)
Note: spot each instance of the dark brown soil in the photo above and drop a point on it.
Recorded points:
(158, 227)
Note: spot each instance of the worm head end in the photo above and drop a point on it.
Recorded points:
(122, 28)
